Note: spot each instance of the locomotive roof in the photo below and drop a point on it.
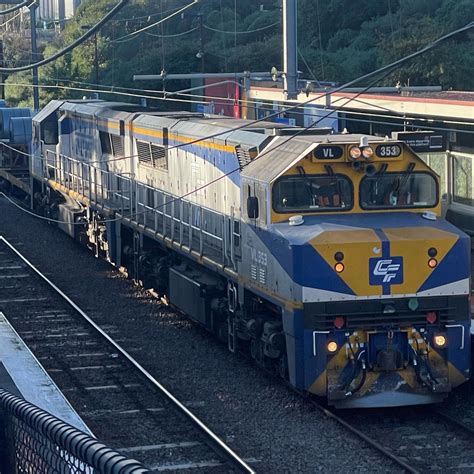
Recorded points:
(281, 154)
(278, 156)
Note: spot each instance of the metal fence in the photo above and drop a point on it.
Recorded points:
(34, 441)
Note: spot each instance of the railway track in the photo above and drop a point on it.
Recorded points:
(118, 399)
(417, 439)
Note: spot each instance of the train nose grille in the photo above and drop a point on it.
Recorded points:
(370, 314)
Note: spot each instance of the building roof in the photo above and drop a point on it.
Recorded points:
(456, 105)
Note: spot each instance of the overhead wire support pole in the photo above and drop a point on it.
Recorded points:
(34, 55)
(290, 54)
(201, 42)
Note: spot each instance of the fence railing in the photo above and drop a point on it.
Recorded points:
(34, 441)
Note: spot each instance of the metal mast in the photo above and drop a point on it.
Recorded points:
(290, 55)
(34, 55)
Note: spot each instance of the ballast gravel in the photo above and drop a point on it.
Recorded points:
(257, 415)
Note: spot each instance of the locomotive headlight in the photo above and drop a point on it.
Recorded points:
(440, 340)
(432, 262)
(355, 153)
(339, 267)
(332, 347)
(367, 152)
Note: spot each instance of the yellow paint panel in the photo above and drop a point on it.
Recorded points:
(456, 377)
(412, 243)
(357, 246)
(184, 139)
(370, 379)
(319, 386)
(409, 376)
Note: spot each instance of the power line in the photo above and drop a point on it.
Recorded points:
(382, 70)
(26, 3)
(73, 45)
(207, 27)
(229, 101)
(49, 219)
(321, 57)
(205, 98)
(141, 30)
(307, 65)
(123, 20)
(385, 72)
(176, 35)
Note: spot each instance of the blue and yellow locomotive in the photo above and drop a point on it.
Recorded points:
(324, 256)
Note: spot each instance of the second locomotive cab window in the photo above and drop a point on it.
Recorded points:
(312, 193)
(398, 190)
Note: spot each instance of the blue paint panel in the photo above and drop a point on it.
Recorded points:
(454, 266)
(66, 126)
(460, 358)
(312, 270)
(300, 347)
(303, 263)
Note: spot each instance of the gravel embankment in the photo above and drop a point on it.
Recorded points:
(256, 414)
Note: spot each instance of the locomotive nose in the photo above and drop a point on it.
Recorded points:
(391, 261)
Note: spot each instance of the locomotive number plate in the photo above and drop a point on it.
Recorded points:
(388, 151)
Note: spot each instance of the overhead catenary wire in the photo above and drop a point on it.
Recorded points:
(194, 191)
(159, 22)
(384, 71)
(167, 95)
(228, 101)
(151, 15)
(73, 45)
(308, 66)
(26, 3)
(191, 99)
(176, 35)
(263, 28)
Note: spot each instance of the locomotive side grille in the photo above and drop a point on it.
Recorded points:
(159, 155)
(243, 156)
(144, 153)
(117, 145)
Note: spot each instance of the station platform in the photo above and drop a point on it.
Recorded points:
(22, 375)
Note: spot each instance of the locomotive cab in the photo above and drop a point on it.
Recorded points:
(377, 284)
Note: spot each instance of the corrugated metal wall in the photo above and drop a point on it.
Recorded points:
(58, 9)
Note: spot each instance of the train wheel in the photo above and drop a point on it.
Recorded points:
(253, 348)
(283, 367)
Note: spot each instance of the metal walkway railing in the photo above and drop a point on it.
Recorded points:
(32, 440)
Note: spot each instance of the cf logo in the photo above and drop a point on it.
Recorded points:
(387, 269)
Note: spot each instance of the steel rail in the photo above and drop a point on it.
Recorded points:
(374, 444)
(212, 439)
(454, 421)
